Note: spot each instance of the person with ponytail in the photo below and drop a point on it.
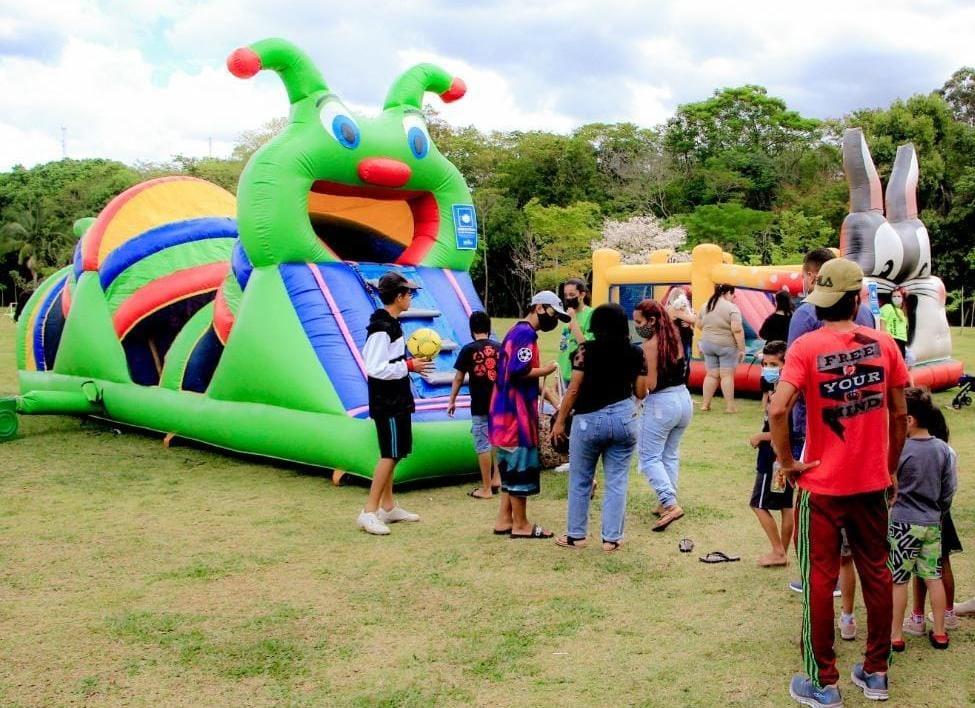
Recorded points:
(722, 344)
(666, 410)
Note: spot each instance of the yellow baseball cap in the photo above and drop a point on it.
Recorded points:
(836, 278)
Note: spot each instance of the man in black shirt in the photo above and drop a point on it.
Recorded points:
(479, 362)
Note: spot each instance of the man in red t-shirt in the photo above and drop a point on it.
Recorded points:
(853, 379)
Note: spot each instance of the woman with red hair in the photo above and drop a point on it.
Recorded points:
(666, 409)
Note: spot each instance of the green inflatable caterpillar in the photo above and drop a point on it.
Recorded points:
(239, 323)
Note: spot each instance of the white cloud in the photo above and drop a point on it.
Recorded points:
(145, 80)
(111, 107)
(490, 102)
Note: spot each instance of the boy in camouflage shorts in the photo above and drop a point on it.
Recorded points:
(926, 480)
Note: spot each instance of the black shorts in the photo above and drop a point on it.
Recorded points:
(950, 543)
(762, 495)
(764, 498)
(395, 436)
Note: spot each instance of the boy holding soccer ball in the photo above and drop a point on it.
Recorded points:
(390, 399)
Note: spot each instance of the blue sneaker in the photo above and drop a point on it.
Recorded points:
(874, 686)
(803, 691)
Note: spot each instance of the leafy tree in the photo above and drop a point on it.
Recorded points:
(742, 119)
(736, 228)
(959, 93)
(558, 242)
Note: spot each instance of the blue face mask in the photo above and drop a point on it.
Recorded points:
(771, 374)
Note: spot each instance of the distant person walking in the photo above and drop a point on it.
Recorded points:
(722, 344)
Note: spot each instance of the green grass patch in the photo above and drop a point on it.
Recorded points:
(131, 574)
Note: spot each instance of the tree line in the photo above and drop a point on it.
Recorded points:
(739, 169)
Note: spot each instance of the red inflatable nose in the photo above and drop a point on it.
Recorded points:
(384, 172)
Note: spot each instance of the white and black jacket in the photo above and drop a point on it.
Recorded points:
(387, 367)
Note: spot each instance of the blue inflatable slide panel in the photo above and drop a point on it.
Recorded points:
(334, 302)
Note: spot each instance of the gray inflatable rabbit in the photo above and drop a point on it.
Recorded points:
(894, 249)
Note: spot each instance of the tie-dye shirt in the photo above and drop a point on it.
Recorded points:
(514, 405)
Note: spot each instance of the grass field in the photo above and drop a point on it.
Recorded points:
(132, 574)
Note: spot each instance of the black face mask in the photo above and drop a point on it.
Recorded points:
(572, 303)
(547, 322)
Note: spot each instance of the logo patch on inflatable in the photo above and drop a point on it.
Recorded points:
(465, 226)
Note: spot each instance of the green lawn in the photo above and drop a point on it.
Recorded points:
(133, 574)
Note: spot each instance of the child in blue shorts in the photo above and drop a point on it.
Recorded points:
(478, 361)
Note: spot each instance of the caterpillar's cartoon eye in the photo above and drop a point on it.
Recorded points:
(337, 121)
(416, 136)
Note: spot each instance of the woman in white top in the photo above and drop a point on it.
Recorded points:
(722, 344)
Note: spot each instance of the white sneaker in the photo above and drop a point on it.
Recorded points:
(370, 523)
(965, 608)
(564, 467)
(951, 620)
(914, 626)
(397, 513)
(848, 630)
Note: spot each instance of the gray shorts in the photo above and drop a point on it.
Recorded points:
(719, 357)
(479, 431)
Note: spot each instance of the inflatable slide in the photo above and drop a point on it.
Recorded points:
(239, 322)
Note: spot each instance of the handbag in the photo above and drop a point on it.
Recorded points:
(552, 453)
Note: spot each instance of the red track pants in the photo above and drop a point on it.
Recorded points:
(819, 519)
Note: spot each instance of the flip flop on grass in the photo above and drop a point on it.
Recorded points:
(719, 557)
(476, 494)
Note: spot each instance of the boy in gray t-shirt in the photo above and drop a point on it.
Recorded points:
(926, 481)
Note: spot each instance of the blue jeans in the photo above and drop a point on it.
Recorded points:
(666, 415)
(610, 432)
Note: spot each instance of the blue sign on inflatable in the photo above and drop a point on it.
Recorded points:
(465, 226)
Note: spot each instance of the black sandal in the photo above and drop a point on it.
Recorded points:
(537, 532)
(473, 494)
(502, 532)
(614, 546)
(568, 541)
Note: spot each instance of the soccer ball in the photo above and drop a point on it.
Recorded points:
(424, 343)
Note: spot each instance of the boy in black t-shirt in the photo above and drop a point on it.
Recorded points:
(770, 493)
(479, 362)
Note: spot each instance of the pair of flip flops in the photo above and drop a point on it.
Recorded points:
(719, 557)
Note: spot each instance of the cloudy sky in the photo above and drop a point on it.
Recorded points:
(146, 79)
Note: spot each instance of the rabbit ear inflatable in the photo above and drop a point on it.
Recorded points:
(865, 236)
(901, 203)
(895, 251)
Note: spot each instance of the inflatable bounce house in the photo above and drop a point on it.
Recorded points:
(239, 322)
(893, 250)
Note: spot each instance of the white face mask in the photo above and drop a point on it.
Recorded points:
(679, 302)
(897, 300)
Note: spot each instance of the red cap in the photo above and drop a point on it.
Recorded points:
(243, 63)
